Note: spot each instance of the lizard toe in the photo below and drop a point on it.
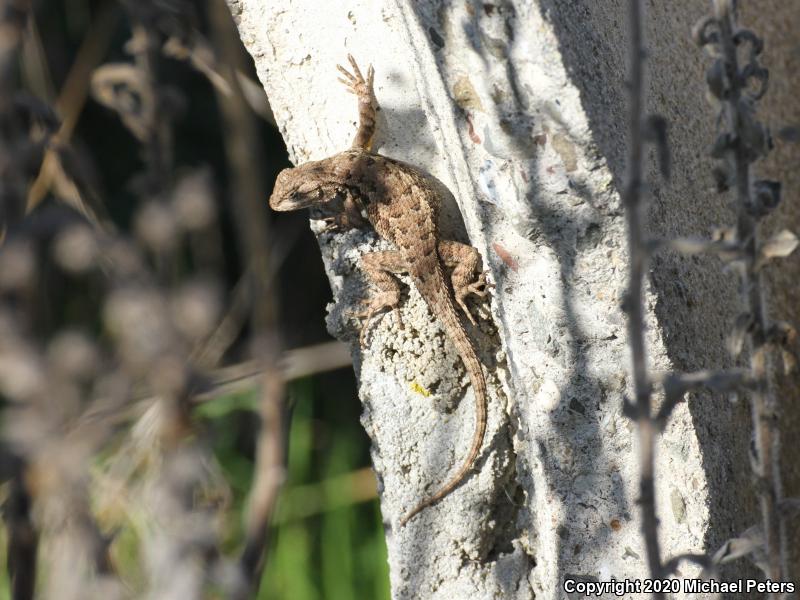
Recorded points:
(466, 310)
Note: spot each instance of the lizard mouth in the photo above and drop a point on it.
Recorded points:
(293, 192)
(297, 200)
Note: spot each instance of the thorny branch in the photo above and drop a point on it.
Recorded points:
(634, 302)
(743, 141)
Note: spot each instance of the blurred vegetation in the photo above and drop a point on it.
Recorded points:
(328, 537)
(329, 540)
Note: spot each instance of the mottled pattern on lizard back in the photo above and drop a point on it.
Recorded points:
(402, 203)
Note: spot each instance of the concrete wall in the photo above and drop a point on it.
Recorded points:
(520, 109)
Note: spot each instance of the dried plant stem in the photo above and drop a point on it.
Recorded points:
(13, 16)
(158, 145)
(268, 478)
(648, 431)
(22, 537)
(763, 399)
(243, 154)
(71, 100)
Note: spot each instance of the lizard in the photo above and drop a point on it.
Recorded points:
(359, 188)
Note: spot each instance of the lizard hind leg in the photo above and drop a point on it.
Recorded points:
(367, 104)
(467, 277)
(381, 269)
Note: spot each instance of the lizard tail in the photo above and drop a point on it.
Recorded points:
(442, 299)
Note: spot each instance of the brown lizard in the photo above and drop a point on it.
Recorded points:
(402, 204)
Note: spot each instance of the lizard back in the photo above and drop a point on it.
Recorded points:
(402, 203)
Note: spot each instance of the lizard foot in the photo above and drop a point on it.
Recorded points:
(348, 219)
(332, 225)
(355, 82)
(367, 104)
(480, 288)
(381, 301)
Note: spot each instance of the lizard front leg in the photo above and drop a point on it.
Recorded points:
(345, 218)
(467, 277)
(381, 269)
(367, 104)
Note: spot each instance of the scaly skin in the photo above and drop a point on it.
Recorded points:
(402, 203)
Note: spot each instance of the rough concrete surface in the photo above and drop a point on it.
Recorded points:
(519, 108)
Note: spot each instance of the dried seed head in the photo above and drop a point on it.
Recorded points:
(138, 320)
(193, 202)
(75, 249)
(73, 355)
(195, 308)
(156, 226)
(17, 265)
(22, 373)
(765, 198)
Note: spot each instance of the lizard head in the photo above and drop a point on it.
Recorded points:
(308, 186)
